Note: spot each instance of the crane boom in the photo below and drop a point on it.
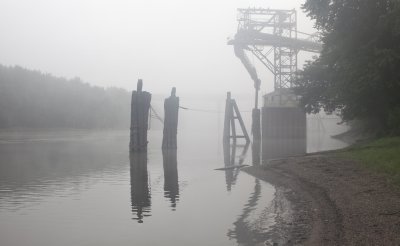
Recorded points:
(252, 37)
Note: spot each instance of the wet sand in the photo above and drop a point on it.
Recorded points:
(334, 201)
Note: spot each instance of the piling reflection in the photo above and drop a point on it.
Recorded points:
(243, 231)
(260, 228)
(230, 161)
(171, 184)
(140, 189)
(256, 152)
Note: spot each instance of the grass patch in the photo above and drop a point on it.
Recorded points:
(382, 155)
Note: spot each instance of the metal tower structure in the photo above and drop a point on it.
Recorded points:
(272, 37)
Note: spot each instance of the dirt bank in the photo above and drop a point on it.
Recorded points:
(335, 201)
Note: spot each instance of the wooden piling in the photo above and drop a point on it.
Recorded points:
(171, 110)
(140, 106)
(256, 129)
(228, 118)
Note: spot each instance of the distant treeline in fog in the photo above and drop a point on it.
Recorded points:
(32, 99)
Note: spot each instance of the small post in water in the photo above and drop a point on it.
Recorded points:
(140, 106)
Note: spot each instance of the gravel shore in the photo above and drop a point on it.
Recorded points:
(334, 201)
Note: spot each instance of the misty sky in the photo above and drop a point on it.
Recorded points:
(114, 42)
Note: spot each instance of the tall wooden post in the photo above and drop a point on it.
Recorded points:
(256, 129)
(228, 117)
(140, 107)
(227, 129)
(171, 110)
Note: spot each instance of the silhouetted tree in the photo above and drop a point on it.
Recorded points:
(37, 100)
(358, 71)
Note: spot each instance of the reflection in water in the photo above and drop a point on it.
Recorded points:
(244, 232)
(230, 177)
(140, 190)
(256, 152)
(65, 186)
(254, 228)
(230, 160)
(171, 186)
(33, 169)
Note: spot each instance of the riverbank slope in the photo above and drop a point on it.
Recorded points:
(339, 198)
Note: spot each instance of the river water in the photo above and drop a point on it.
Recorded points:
(83, 188)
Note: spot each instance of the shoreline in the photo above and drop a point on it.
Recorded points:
(334, 201)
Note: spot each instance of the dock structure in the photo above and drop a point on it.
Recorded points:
(140, 106)
(171, 111)
(232, 114)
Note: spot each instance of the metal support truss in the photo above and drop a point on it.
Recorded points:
(271, 36)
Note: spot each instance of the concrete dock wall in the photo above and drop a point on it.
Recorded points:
(283, 132)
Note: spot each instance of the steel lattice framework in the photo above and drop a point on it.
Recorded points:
(271, 36)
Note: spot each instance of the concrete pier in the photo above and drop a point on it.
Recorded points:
(283, 126)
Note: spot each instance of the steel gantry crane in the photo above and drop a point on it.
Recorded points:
(272, 37)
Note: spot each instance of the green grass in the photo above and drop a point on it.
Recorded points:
(381, 155)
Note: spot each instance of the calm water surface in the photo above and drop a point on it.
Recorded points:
(83, 188)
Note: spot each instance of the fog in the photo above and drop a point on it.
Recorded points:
(250, 147)
(113, 43)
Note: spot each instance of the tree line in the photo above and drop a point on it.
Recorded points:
(358, 71)
(31, 99)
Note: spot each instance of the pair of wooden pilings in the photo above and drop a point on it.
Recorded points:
(140, 108)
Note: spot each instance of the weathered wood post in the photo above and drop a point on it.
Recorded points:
(256, 129)
(171, 110)
(227, 129)
(140, 107)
